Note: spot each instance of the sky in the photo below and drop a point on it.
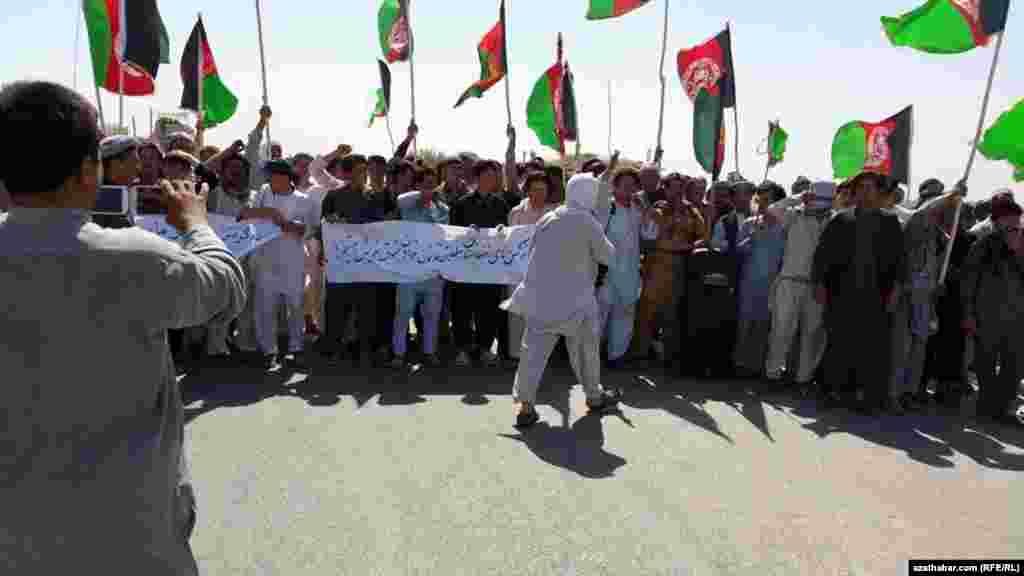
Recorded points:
(811, 65)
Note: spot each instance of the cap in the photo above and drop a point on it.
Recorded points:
(116, 145)
(480, 165)
(280, 167)
(801, 185)
(180, 135)
(594, 165)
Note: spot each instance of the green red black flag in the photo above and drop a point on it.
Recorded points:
(493, 65)
(709, 79)
(948, 26)
(203, 91)
(880, 147)
(127, 42)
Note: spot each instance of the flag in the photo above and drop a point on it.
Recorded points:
(394, 31)
(218, 103)
(709, 78)
(948, 26)
(603, 9)
(551, 110)
(777, 139)
(126, 39)
(882, 147)
(1004, 140)
(383, 93)
(492, 60)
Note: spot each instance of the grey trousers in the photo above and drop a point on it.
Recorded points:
(796, 315)
(907, 353)
(583, 343)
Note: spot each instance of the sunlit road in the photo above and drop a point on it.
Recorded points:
(389, 473)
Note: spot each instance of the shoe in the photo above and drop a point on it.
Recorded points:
(397, 363)
(431, 360)
(608, 400)
(462, 359)
(295, 360)
(617, 364)
(489, 359)
(269, 361)
(527, 418)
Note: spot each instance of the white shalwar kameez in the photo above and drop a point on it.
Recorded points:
(279, 271)
(621, 291)
(217, 334)
(556, 298)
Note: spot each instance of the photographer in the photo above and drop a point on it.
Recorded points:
(93, 421)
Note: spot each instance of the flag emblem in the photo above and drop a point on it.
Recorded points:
(702, 74)
(878, 148)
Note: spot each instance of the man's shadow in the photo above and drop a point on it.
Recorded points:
(579, 449)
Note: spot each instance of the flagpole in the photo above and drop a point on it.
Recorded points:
(135, 132)
(661, 76)
(151, 122)
(78, 42)
(504, 37)
(974, 152)
(735, 106)
(609, 83)
(391, 136)
(99, 106)
(120, 95)
(412, 68)
(263, 63)
(199, 72)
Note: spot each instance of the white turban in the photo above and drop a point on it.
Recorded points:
(582, 191)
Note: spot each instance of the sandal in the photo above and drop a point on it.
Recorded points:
(527, 418)
(609, 400)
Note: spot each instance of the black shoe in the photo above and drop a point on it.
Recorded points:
(269, 361)
(295, 360)
(527, 419)
(608, 401)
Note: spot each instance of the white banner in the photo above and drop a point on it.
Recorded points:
(241, 238)
(407, 252)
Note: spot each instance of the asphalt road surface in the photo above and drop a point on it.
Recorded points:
(336, 471)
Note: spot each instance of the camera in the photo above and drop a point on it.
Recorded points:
(114, 201)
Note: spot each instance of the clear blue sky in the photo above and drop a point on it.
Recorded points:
(812, 64)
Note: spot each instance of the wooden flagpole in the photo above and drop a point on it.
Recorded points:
(735, 106)
(661, 78)
(609, 83)
(974, 153)
(263, 63)
(504, 36)
(120, 95)
(199, 73)
(412, 67)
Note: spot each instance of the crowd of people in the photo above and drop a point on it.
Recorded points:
(732, 280)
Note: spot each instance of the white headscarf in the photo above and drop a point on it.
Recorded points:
(581, 193)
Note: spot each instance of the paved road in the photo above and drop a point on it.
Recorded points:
(381, 473)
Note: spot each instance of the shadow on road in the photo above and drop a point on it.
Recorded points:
(579, 449)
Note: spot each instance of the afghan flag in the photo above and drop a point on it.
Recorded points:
(1005, 140)
(551, 110)
(393, 28)
(126, 39)
(882, 147)
(492, 60)
(777, 139)
(948, 26)
(604, 9)
(383, 93)
(203, 91)
(708, 76)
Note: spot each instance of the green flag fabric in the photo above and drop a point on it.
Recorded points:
(948, 26)
(604, 9)
(708, 77)
(1004, 140)
(201, 79)
(393, 30)
(777, 139)
(880, 147)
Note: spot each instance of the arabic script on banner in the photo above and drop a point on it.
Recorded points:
(407, 252)
(241, 238)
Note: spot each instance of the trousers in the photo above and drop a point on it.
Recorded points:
(583, 343)
(346, 302)
(797, 320)
(268, 298)
(313, 281)
(428, 296)
(477, 304)
(998, 387)
(908, 352)
(617, 322)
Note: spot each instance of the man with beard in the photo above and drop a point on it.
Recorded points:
(913, 315)
(725, 237)
(477, 304)
(798, 335)
(556, 297)
(650, 184)
(856, 272)
(761, 245)
(992, 288)
(678, 226)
